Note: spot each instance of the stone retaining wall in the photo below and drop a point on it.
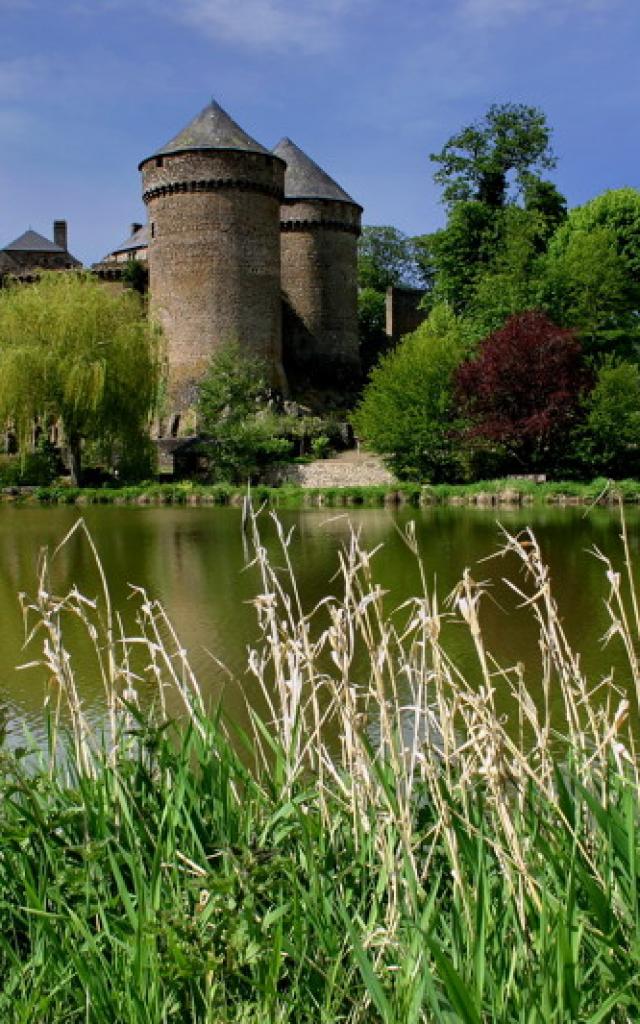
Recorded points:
(349, 470)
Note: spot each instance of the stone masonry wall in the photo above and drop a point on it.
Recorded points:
(402, 312)
(214, 259)
(320, 288)
(25, 262)
(351, 469)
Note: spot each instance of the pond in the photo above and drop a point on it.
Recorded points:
(194, 561)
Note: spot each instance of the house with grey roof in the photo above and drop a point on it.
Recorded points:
(134, 247)
(32, 252)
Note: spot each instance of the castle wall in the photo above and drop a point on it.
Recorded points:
(320, 289)
(402, 311)
(214, 259)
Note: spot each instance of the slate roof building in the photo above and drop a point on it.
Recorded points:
(134, 247)
(320, 225)
(213, 199)
(250, 245)
(32, 252)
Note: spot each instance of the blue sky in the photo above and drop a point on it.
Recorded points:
(367, 87)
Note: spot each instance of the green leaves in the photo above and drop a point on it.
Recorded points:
(242, 435)
(475, 163)
(406, 411)
(71, 350)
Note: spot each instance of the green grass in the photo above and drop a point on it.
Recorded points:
(291, 496)
(384, 848)
(171, 885)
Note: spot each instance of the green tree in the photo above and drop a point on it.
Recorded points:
(453, 258)
(619, 211)
(407, 412)
(512, 140)
(135, 274)
(72, 350)
(236, 385)
(241, 433)
(500, 213)
(371, 327)
(543, 198)
(509, 284)
(608, 442)
(386, 256)
(592, 272)
(585, 285)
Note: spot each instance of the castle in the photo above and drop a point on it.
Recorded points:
(253, 246)
(243, 244)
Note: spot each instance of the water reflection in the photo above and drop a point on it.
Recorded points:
(192, 560)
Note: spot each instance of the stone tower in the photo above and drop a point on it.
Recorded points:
(319, 225)
(213, 196)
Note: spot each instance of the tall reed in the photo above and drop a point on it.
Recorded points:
(384, 844)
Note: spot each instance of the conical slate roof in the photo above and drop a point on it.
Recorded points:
(31, 241)
(304, 179)
(211, 129)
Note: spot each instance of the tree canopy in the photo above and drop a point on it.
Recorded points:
(500, 211)
(617, 210)
(407, 410)
(386, 256)
(71, 350)
(478, 162)
(591, 273)
(522, 388)
(546, 306)
(609, 438)
(241, 433)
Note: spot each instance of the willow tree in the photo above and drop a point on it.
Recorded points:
(75, 351)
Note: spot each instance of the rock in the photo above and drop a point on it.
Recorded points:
(509, 497)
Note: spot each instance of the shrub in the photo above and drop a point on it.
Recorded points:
(35, 469)
(320, 446)
(522, 390)
(407, 411)
(609, 440)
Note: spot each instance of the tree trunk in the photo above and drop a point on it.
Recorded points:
(75, 460)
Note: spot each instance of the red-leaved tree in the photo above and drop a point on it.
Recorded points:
(522, 389)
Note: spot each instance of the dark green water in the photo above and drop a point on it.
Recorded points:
(192, 559)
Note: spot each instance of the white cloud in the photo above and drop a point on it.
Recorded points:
(312, 26)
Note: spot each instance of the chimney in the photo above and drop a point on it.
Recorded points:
(135, 227)
(60, 234)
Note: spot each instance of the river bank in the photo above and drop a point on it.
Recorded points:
(483, 494)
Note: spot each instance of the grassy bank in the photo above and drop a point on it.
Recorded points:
(437, 863)
(484, 493)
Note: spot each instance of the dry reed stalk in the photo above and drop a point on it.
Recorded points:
(407, 718)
